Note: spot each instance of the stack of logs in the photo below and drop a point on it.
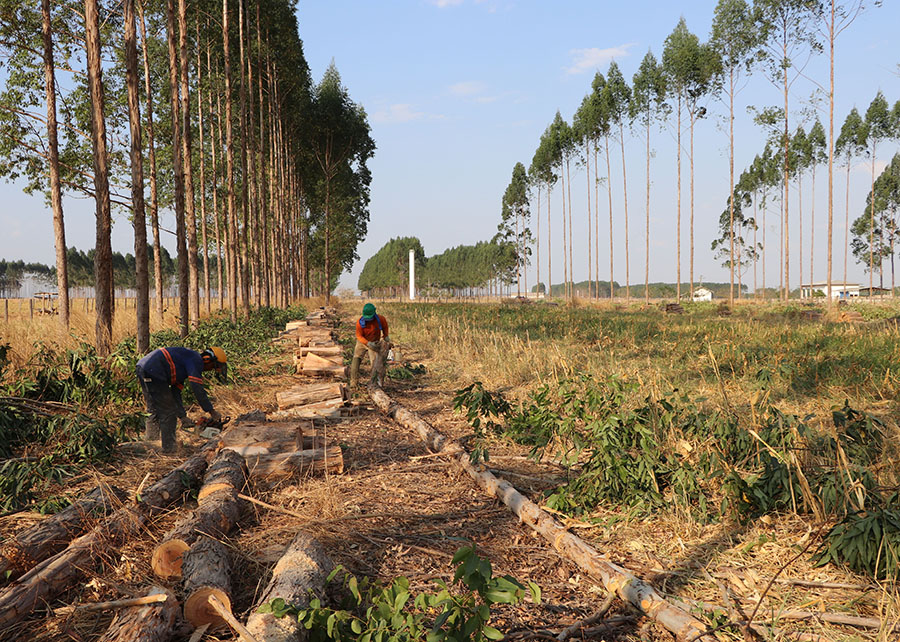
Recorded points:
(317, 353)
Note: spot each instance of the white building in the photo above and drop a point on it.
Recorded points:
(838, 290)
(702, 294)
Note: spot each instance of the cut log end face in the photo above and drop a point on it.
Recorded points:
(198, 610)
(168, 557)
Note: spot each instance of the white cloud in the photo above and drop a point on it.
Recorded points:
(397, 113)
(589, 59)
(443, 4)
(468, 88)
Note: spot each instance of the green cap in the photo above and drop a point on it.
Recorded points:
(368, 311)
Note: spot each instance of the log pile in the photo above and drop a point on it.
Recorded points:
(851, 316)
(317, 353)
(674, 308)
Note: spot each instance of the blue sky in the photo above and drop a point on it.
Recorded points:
(458, 91)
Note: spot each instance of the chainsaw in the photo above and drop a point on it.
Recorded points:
(206, 425)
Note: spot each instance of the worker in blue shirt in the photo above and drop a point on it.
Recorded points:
(162, 374)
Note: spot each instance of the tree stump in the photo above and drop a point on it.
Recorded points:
(145, 623)
(207, 573)
(302, 569)
(37, 543)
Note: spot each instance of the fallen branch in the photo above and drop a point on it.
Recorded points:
(152, 598)
(150, 620)
(569, 631)
(615, 579)
(226, 615)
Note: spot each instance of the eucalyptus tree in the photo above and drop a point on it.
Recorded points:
(561, 148)
(616, 98)
(541, 173)
(733, 37)
(878, 126)
(850, 144)
(598, 86)
(584, 126)
(816, 144)
(800, 160)
(834, 17)
(874, 229)
(513, 227)
(733, 249)
(786, 32)
(691, 69)
(648, 101)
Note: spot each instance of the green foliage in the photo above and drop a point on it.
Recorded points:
(372, 612)
(483, 410)
(866, 542)
(406, 372)
(389, 267)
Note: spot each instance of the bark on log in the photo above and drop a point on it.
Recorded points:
(51, 535)
(310, 393)
(614, 578)
(313, 361)
(259, 437)
(311, 412)
(302, 462)
(227, 471)
(302, 569)
(146, 623)
(56, 574)
(216, 516)
(206, 572)
(321, 350)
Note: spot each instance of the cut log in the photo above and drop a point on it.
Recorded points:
(207, 572)
(310, 393)
(51, 535)
(253, 438)
(294, 325)
(57, 574)
(145, 623)
(308, 436)
(315, 361)
(302, 570)
(615, 579)
(315, 461)
(328, 409)
(215, 516)
(321, 350)
(228, 471)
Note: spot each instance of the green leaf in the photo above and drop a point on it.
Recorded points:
(491, 633)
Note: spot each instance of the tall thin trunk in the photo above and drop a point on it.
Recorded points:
(229, 171)
(731, 179)
(142, 299)
(764, 208)
(537, 244)
(245, 197)
(151, 152)
(691, 291)
(178, 171)
(609, 193)
(647, 232)
(59, 227)
(103, 273)
(596, 222)
(587, 174)
(872, 223)
(222, 252)
(831, 36)
(678, 201)
(204, 237)
(253, 179)
(549, 249)
(562, 178)
(787, 236)
(800, 224)
(571, 249)
(755, 246)
(847, 224)
(186, 143)
(812, 226)
(625, 202)
(264, 230)
(518, 258)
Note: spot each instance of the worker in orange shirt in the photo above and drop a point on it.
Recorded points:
(371, 336)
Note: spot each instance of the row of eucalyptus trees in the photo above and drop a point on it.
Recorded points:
(204, 108)
(772, 38)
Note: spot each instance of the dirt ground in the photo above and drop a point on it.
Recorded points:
(400, 510)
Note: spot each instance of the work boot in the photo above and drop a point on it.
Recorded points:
(354, 371)
(151, 430)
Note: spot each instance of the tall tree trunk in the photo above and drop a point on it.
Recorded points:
(647, 233)
(872, 224)
(609, 193)
(200, 130)
(562, 177)
(812, 227)
(253, 174)
(186, 143)
(678, 201)
(537, 243)
(764, 208)
(755, 245)
(151, 151)
(549, 248)
(245, 196)
(59, 227)
(177, 150)
(571, 249)
(691, 291)
(787, 236)
(229, 171)
(596, 221)
(261, 171)
(831, 36)
(800, 224)
(847, 224)
(587, 174)
(142, 299)
(103, 273)
(625, 201)
(731, 179)
(221, 238)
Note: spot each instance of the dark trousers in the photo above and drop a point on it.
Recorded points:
(164, 405)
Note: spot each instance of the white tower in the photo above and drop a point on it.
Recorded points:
(412, 275)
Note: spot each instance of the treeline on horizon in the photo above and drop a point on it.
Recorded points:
(675, 92)
(206, 109)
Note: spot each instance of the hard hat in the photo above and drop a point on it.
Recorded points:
(215, 354)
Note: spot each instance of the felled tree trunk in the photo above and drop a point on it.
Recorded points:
(616, 579)
(145, 623)
(315, 461)
(53, 534)
(302, 569)
(57, 574)
(228, 471)
(207, 573)
(315, 393)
